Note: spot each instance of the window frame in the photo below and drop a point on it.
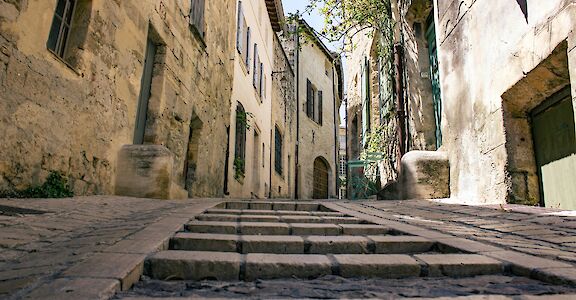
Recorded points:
(197, 21)
(61, 45)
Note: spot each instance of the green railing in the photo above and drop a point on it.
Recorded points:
(364, 176)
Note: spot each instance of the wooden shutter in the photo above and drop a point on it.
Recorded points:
(247, 54)
(240, 28)
(197, 15)
(319, 107)
(309, 100)
(260, 78)
(255, 67)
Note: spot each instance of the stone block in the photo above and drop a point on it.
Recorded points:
(309, 207)
(217, 218)
(314, 229)
(264, 228)
(140, 246)
(259, 218)
(390, 244)
(524, 264)
(204, 242)
(425, 175)
(124, 267)
(363, 229)
(238, 205)
(447, 245)
(458, 265)
(291, 206)
(300, 219)
(261, 205)
(377, 265)
(145, 171)
(271, 266)
(193, 265)
(277, 244)
(76, 288)
(340, 220)
(338, 245)
(212, 227)
(223, 211)
(564, 276)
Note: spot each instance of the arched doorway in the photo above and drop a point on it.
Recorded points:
(321, 172)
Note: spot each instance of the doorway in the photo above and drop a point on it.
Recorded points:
(554, 138)
(145, 92)
(320, 179)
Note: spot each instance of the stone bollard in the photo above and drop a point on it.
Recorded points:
(424, 175)
(145, 171)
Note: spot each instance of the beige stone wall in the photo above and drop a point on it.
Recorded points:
(74, 119)
(486, 48)
(256, 180)
(316, 140)
(284, 117)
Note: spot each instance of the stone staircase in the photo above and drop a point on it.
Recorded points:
(247, 241)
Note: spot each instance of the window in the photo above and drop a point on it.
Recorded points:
(60, 29)
(240, 145)
(197, 15)
(278, 151)
(243, 37)
(261, 81)
(314, 99)
(342, 165)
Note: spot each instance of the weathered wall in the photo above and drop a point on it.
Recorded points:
(486, 48)
(284, 116)
(74, 119)
(256, 180)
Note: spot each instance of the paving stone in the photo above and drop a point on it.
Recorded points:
(523, 264)
(264, 228)
(76, 288)
(212, 227)
(125, 267)
(140, 245)
(399, 244)
(338, 244)
(194, 265)
(447, 245)
(301, 219)
(270, 266)
(314, 229)
(460, 264)
(218, 218)
(279, 244)
(259, 218)
(377, 265)
(363, 229)
(204, 242)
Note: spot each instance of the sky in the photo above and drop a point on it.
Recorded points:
(315, 20)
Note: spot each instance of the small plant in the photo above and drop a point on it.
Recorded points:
(243, 118)
(55, 186)
(239, 166)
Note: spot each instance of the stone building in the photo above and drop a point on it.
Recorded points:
(490, 86)
(249, 164)
(80, 80)
(284, 124)
(319, 85)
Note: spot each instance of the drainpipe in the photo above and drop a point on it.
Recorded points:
(400, 101)
(346, 141)
(270, 164)
(296, 158)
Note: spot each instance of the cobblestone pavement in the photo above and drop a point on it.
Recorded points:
(36, 247)
(331, 287)
(94, 247)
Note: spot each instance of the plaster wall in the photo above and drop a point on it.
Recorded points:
(256, 182)
(485, 48)
(75, 118)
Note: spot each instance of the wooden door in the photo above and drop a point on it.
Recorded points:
(554, 137)
(320, 179)
(145, 92)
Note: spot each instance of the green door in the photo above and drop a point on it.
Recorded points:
(555, 148)
(435, 78)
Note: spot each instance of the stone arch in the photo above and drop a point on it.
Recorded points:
(321, 181)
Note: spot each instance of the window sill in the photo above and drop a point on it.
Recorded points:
(61, 60)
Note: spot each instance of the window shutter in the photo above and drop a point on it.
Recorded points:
(240, 28)
(309, 95)
(260, 78)
(255, 66)
(263, 85)
(197, 15)
(320, 107)
(247, 58)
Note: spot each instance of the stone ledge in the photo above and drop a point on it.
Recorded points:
(76, 288)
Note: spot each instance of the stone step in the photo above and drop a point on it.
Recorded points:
(289, 206)
(285, 219)
(280, 244)
(278, 228)
(195, 265)
(220, 211)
